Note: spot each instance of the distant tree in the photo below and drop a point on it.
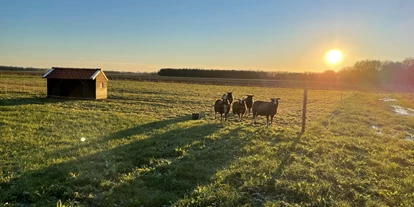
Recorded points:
(408, 63)
(408, 66)
(328, 76)
(390, 73)
(345, 75)
(366, 71)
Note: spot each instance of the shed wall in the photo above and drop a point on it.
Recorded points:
(101, 86)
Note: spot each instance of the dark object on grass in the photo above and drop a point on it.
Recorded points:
(195, 116)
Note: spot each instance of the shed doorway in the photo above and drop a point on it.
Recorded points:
(71, 88)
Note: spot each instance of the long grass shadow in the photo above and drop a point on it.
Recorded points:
(255, 195)
(29, 101)
(152, 172)
(175, 174)
(270, 187)
(287, 159)
(72, 151)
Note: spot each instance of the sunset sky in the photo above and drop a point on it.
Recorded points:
(146, 35)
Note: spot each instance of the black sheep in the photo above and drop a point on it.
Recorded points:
(222, 107)
(239, 108)
(249, 103)
(265, 109)
(230, 97)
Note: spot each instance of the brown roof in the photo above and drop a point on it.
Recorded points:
(72, 73)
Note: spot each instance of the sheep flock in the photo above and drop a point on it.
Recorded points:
(244, 105)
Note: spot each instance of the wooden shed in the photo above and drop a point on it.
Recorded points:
(81, 83)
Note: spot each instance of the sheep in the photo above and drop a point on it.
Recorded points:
(230, 97)
(249, 103)
(222, 107)
(239, 108)
(265, 109)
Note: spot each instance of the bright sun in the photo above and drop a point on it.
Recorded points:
(333, 56)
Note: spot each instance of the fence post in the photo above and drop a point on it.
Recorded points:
(305, 98)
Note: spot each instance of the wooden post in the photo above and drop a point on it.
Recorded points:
(305, 98)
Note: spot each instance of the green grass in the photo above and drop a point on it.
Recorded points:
(142, 149)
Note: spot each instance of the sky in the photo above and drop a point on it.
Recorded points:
(147, 35)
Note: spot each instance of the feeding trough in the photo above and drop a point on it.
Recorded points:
(195, 116)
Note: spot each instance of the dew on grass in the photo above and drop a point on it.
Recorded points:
(82, 139)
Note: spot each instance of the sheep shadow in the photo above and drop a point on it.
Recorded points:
(287, 159)
(175, 175)
(30, 101)
(257, 196)
(154, 171)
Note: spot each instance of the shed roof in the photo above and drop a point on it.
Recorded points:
(73, 73)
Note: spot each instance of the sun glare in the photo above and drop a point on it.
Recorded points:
(333, 56)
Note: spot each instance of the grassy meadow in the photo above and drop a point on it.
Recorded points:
(141, 148)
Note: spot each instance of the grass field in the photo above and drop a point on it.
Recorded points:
(141, 148)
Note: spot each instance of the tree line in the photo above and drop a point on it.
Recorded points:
(14, 68)
(366, 72)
